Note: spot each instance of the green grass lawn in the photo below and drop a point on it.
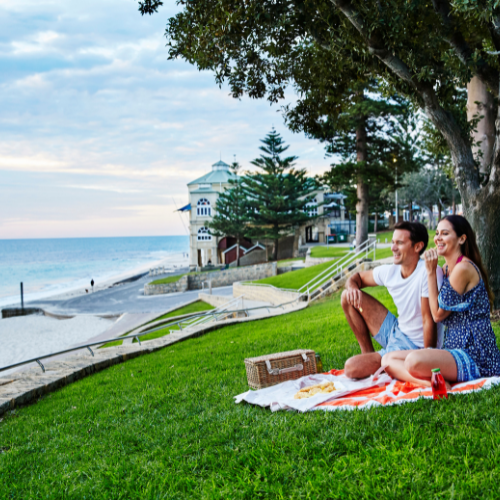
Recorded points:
(323, 252)
(177, 277)
(198, 306)
(168, 279)
(165, 426)
(195, 307)
(294, 279)
(388, 234)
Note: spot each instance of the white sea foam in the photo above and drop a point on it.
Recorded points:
(57, 267)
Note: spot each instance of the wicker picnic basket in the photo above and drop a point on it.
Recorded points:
(272, 369)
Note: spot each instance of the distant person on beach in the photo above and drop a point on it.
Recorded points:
(463, 305)
(406, 282)
(92, 284)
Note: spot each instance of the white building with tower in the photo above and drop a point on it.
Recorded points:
(203, 194)
(207, 249)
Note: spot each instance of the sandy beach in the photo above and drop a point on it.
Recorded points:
(25, 337)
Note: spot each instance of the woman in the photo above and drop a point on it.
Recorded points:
(463, 305)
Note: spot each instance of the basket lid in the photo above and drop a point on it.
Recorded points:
(280, 355)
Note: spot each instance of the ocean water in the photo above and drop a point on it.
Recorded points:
(50, 266)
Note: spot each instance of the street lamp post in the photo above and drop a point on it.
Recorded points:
(397, 209)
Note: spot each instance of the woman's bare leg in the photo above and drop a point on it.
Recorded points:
(415, 366)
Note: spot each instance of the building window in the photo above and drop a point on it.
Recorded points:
(312, 208)
(203, 208)
(203, 234)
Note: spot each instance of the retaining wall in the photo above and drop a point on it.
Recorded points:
(214, 300)
(218, 278)
(264, 293)
(314, 261)
(177, 286)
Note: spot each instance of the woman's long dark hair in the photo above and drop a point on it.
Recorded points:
(469, 249)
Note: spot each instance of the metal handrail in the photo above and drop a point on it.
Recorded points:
(206, 314)
(136, 335)
(221, 309)
(338, 266)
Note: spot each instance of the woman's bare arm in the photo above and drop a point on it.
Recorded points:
(431, 263)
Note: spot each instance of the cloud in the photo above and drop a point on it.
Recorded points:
(91, 106)
(109, 189)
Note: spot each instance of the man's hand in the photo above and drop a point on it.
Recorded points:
(354, 298)
(431, 260)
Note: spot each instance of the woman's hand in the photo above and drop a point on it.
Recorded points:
(431, 260)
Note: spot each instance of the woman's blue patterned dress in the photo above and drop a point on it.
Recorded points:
(470, 337)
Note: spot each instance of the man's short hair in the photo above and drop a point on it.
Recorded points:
(418, 232)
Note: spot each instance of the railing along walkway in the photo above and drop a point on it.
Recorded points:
(222, 312)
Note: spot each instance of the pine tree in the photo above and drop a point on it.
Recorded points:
(277, 195)
(231, 217)
(372, 137)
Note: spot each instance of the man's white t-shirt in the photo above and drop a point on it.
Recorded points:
(407, 294)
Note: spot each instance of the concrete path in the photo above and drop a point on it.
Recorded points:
(122, 298)
(26, 386)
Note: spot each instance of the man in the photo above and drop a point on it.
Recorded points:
(406, 282)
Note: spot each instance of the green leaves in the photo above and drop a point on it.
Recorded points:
(278, 195)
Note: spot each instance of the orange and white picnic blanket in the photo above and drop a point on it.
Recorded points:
(351, 394)
(397, 392)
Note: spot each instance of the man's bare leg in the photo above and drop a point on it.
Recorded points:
(364, 323)
(362, 365)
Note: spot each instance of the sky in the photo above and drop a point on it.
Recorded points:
(100, 133)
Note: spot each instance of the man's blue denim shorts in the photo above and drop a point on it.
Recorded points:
(391, 338)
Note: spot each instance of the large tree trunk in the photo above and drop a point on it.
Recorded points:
(481, 103)
(362, 187)
(484, 219)
(481, 204)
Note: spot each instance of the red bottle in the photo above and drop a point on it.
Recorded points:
(438, 385)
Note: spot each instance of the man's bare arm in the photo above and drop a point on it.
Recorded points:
(430, 329)
(361, 280)
(355, 284)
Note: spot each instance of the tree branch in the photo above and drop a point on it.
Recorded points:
(494, 29)
(458, 143)
(488, 75)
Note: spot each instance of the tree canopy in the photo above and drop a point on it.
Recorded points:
(278, 195)
(423, 50)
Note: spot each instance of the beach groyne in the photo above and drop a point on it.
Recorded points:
(12, 312)
(200, 281)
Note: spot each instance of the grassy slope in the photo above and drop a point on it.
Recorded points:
(295, 279)
(195, 307)
(177, 277)
(168, 279)
(199, 306)
(388, 234)
(165, 426)
(322, 252)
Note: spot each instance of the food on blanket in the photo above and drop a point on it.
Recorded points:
(323, 388)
